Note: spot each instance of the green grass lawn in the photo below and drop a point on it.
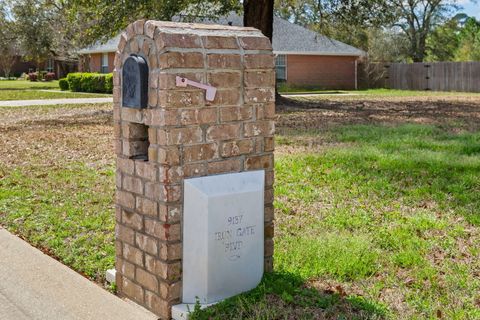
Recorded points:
(373, 221)
(30, 90)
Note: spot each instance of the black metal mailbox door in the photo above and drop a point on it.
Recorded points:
(135, 82)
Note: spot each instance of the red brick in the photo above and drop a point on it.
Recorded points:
(161, 117)
(268, 230)
(181, 60)
(268, 249)
(125, 165)
(187, 135)
(170, 214)
(236, 148)
(132, 184)
(181, 98)
(170, 291)
(125, 199)
(126, 268)
(168, 80)
(171, 175)
(164, 270)
(147, 207)
(170, 251)
(269, 214)
(269, 179)
(224, 166)
(125, 234)
(132, 290)
(132, 115)
(146, 280)
(146, 243)
(146, 170)
(177, 40)
(138, 26)
(132, 254)
(255, 43)
(259, 95)
(265, 111)
(268, 196)
(132, 220)
(198, 152)
(169, 155)
(157, 305)
(264, 78)
(223, 132)
(259, 61)
(194, 170)
(198, 116)
(259, 128)
(223, 61)
(259, 162)
(152, 191)
(269, 144)
(219, 42)
(235, 113)
(224, 79)
(162, 231)
(227, 97)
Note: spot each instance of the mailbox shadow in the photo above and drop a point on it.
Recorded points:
(288, 296)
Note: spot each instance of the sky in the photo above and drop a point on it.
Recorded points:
(471, 8)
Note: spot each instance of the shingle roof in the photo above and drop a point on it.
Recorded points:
(288, 38)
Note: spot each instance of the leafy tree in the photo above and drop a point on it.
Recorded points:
(469, 47)
(444, 40)
(418, 18)
(103, 19)
(31, 25)
(9, 49)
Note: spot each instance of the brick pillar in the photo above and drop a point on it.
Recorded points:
(181, 135)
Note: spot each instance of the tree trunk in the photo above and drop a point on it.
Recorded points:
(259, 14)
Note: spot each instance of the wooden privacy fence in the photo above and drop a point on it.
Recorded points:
(436, 76)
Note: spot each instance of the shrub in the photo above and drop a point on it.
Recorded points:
(109, 83)
(32, 76)
(63, 83)
(90, 82)
(49, 76)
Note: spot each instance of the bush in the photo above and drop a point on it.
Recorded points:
(63, 83)
(109, 83)
(32, 76)
(90, 82)
(49, 76)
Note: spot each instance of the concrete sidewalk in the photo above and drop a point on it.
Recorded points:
(35, 286)
(48, 102)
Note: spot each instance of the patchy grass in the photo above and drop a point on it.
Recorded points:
(24, 84)
(31, 90)
(376, 218)
(57, 182)
(39, 94)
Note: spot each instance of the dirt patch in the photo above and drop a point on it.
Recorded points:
(310, 114)
(51, 136)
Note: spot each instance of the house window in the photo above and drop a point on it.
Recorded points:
(50, 65)
(281, 66)
(105, 63)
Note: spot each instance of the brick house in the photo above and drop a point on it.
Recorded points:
(303, 58)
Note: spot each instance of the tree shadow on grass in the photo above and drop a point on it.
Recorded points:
(287, 296)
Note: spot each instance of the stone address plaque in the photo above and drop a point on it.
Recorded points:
(135, 82)
(222, 235)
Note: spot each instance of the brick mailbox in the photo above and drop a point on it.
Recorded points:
(192, 101)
